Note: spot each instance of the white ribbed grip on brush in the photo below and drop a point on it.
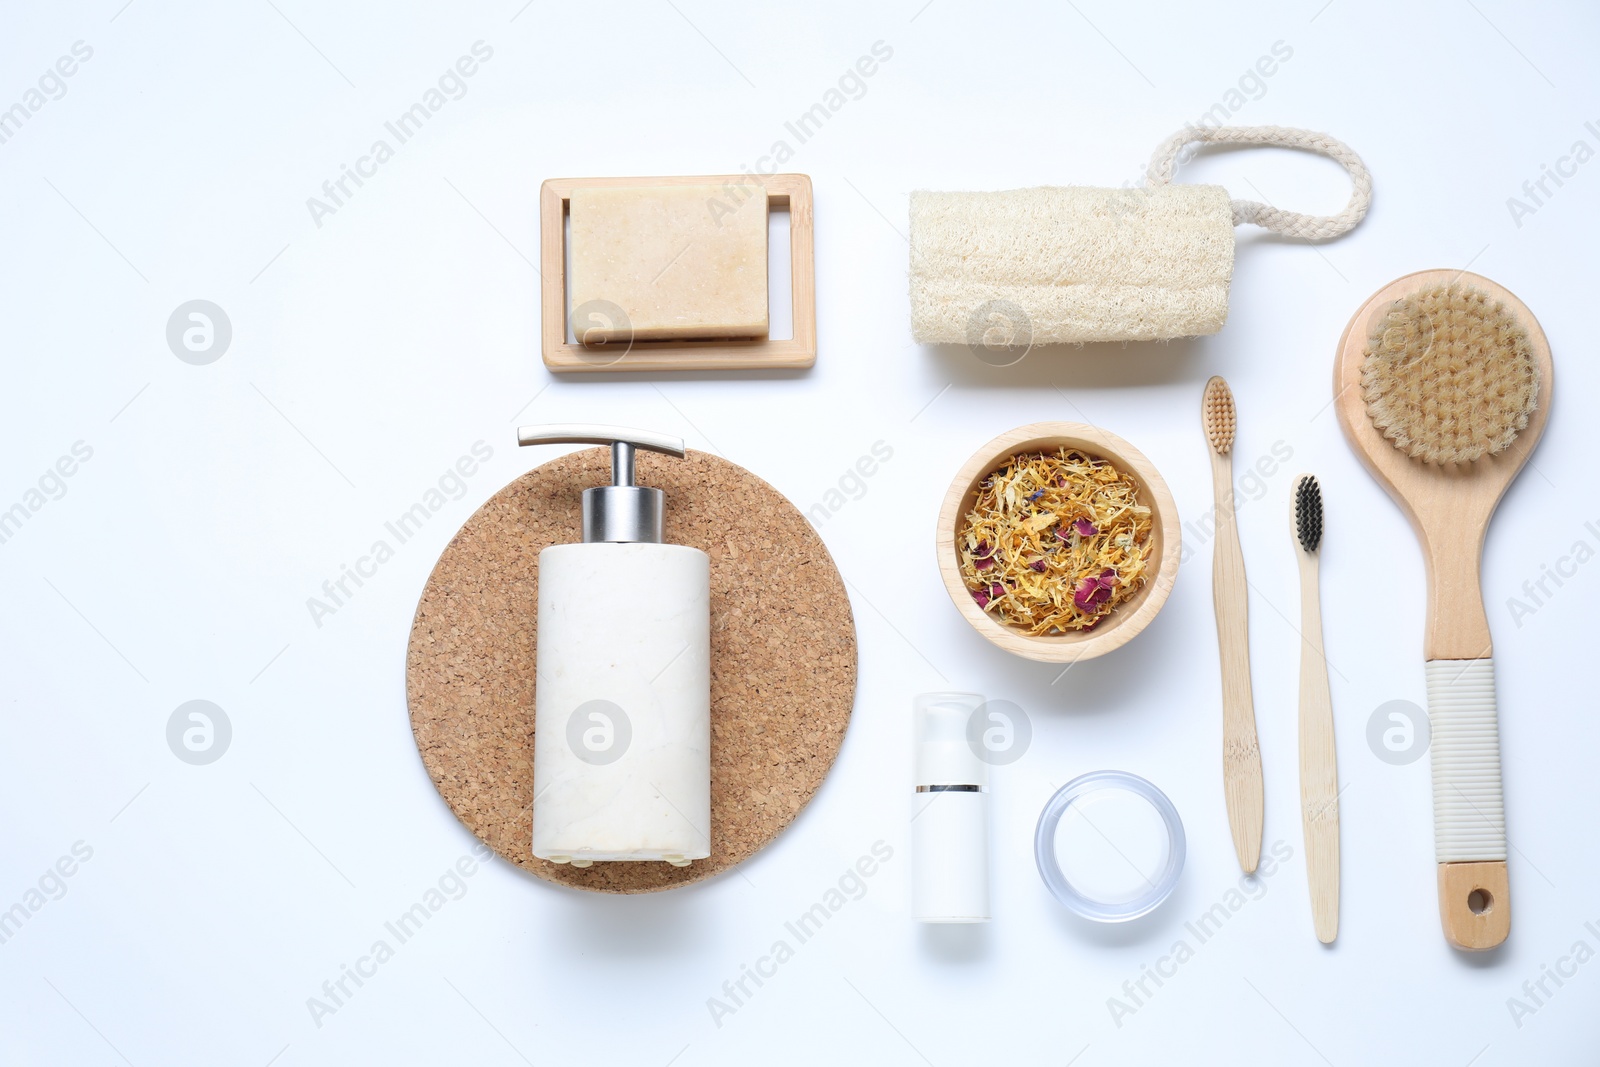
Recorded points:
(1469, 820)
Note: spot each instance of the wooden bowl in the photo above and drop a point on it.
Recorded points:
(1129, 617)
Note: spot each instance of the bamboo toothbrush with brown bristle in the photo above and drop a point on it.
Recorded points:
(1241, 753)
(1319, 765)
(1442, 385)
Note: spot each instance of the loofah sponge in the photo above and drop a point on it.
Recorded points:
(1448, 375)
(1071, 264)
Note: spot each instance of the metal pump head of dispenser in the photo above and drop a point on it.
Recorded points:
(621, 511)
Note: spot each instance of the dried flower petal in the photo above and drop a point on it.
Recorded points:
(1091, 595)
(1055, 541)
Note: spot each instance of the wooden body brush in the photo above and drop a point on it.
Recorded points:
(1319, 764)
(1241, 753)
(1442, 384)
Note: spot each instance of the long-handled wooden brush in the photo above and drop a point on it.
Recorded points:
(1442, 384)
(1241, 753)
(1319, 765)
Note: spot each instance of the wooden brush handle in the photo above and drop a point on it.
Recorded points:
(1241, 752)
(1319, 765)
(1458, 627)
(1469, 828)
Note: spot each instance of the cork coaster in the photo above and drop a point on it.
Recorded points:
(783, 658)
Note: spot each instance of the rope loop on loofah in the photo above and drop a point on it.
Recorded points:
(1288, 223)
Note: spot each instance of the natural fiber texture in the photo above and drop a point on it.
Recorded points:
(1053, 265)
(1448, 375)
(1217, 415)
(783, 658)
(1288, 223)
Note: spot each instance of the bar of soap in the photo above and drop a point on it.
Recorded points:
(682, 262)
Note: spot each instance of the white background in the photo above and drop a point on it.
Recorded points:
(372, 351)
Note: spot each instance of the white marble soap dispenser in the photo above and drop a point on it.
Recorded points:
(622, 697)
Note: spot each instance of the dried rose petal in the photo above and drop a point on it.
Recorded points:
(1085, 528)
(1092, 593)
(981, 597)
(1061, 532)
(996, 590)
(1038, 565)
(983, 563)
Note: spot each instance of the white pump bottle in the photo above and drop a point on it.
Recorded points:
(622, 705)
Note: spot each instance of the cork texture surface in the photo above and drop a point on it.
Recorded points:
(783, 658)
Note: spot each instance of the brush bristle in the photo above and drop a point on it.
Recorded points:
(1448, 375)
(1216, 412)
(1308, 513)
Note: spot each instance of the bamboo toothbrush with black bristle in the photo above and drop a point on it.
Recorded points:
(1241, 752)
(1319, 765)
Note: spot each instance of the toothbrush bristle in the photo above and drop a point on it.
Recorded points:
(1308, 513)
(1216, 412)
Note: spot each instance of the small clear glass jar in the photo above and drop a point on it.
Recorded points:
(1110, 846)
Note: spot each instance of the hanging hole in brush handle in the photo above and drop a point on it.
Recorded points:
(1474, 904)
(1289, 223)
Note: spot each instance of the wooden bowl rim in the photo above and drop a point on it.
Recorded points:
(1121, 626)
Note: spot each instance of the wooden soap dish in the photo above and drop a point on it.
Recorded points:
(791, 191)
